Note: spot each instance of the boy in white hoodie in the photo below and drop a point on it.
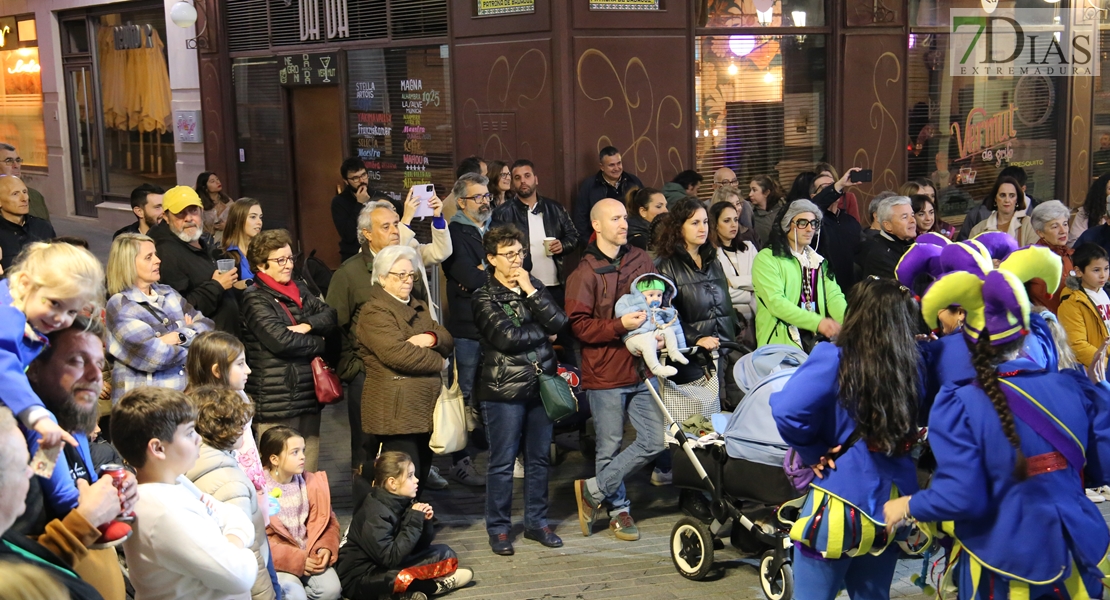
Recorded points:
(186, 544)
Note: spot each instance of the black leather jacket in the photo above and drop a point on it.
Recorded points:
(280, 383)
(556, 223)
(703, 301)
(507, 372)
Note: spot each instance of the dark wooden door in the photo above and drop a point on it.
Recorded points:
(317, 152)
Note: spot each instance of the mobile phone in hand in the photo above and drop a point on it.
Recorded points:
(861, 176)
(423, 192)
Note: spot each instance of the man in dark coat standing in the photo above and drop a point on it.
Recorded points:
(189, 260)
(898, 231)
(611, 181)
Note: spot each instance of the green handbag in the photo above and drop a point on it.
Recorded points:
(558, 401)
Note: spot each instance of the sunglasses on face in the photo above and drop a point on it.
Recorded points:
(814, 224)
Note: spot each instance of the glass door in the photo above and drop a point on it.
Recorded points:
(84, 140)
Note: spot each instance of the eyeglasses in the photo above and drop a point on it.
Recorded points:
(728, 181)
(13, 161)
(814, 224)
(513, 256)
(403, 277)
(478, 198)
(363, 177)
(284, 260)
(505, 175)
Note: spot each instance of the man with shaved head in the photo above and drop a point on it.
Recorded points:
(17, 227)
(727, 177)
(11, 163)
(609, 371)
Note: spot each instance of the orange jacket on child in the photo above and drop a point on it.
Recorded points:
(322, 525)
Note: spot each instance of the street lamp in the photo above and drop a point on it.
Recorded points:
(184, 15)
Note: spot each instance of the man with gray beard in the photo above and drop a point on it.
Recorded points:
(189, 260)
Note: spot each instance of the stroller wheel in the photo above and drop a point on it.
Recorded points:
(692, 548)
(778, 585)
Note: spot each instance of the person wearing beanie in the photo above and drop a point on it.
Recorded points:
(1014, 446)
(652, 294)
(189, 259)
(799, 301)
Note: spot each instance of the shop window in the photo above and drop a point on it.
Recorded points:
(760, 105)
(21, 92)
(765, 13)
(961, 131)
(400, 120)
(935, 13)
(1100, 132)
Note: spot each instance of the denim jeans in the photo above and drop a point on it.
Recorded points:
(469, 355)
(508, 424)
(612, 464)
(325, 586)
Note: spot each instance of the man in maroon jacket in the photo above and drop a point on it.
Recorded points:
(609, 371)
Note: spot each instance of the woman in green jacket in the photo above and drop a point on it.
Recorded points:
(798, 299)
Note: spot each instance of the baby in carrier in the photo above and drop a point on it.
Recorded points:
(653, 294)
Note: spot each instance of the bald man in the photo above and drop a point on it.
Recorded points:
(726, 176)
(606, 272)
(11, 163)
(17, 227)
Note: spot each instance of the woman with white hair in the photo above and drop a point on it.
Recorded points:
(404, 350)
(799, 300)
(150, 325)
(1050, 222)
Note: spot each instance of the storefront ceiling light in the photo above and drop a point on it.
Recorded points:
(741, 45)
(732, 70)
(765, 16)
(183, 14)
(24, 52)
(799, 18)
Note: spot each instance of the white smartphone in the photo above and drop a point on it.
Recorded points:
(423, 192)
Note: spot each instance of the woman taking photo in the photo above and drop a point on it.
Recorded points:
(150, 325)
(797, 298)
(404, 351)
(216, 203)
(704, 304)
(1094, 210)
(731, 196)
(1006, 202)
(736, 257)
(517, 319)
(244, 221)
(766, 197)
(500, 182)
(1014, 446)
(850, 411)
(283, 329)
(644, 205)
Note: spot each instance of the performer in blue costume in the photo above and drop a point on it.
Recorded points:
(1014, 446)
(855, 400)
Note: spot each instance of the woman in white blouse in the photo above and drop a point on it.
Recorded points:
(736, 257)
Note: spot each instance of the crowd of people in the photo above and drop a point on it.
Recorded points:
(202, 345)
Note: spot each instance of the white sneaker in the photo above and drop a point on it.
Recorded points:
(659, 477)
(465, 473)
(456, 580)
(1094, 496)
(435, 480)
(518, 469)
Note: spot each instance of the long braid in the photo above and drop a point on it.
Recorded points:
(984, 356)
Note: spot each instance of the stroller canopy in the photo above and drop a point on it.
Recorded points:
(751, 433)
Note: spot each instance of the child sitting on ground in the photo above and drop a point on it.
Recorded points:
(304, 534)
(221, 415)
(388, 551)
(652, 294)
(186, 544)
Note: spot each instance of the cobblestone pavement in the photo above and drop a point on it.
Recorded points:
(584, 568)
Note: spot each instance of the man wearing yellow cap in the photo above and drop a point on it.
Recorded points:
(17, 227)
(189, 259)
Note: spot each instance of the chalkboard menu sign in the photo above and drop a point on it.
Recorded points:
(308, 69)
(400, 120)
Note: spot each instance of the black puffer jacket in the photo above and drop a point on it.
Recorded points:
(703, 301)
(507, 373)
(280, 383)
